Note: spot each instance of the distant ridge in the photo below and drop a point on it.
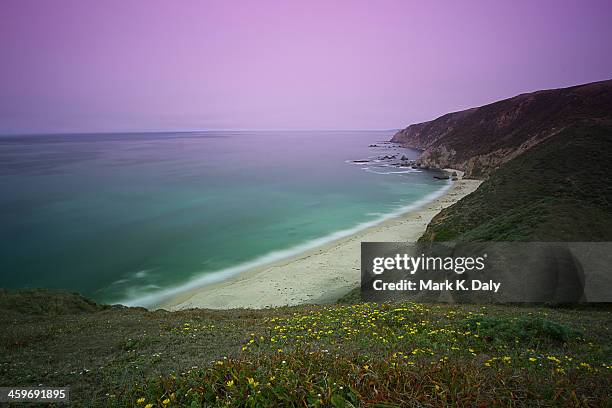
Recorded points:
(479, 140)
(546, 160)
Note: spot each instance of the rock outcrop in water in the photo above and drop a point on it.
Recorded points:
(479, 140)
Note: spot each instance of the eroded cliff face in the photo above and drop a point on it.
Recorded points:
(479, 140)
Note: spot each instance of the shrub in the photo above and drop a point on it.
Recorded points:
(526, 329)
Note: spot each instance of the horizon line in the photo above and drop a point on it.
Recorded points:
(128, 132)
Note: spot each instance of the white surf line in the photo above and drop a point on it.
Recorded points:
(208, 278)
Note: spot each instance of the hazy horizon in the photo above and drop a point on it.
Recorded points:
(137, 66)
(194, 131)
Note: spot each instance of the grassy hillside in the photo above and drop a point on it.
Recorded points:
(386, 355)
(559, 190)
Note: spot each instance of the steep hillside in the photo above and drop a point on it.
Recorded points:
(560, 190)
(479, 140)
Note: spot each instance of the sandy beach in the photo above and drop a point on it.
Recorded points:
(320, 275)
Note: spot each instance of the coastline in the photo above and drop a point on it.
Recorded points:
(318, 275)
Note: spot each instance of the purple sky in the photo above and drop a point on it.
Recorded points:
(91, 65)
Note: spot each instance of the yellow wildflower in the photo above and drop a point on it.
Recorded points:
(252, 382)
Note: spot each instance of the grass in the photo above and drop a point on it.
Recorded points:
(364, 354)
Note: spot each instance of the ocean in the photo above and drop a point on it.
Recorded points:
(133, 218)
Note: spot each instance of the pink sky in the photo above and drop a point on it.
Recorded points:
(90, 65)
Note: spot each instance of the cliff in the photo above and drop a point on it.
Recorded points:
(559, 190)
(480, 140)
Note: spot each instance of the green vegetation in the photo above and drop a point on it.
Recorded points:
(560, 190)
(525, 329)
(338, 356)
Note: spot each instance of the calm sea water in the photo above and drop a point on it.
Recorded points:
(134, 217)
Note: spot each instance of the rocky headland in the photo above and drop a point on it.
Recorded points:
(479, 140)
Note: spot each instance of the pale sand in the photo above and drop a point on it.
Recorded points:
(320, 275)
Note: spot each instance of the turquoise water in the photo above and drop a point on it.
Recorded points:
(132, 218)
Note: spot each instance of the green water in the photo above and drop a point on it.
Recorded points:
(132, 218)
